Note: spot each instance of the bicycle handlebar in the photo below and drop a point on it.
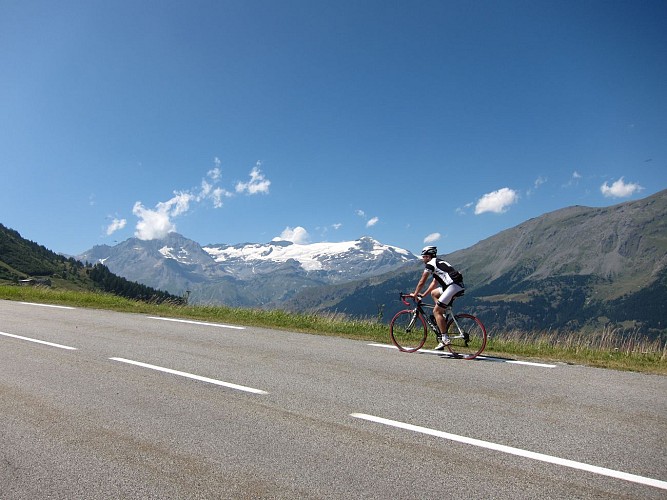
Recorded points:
(403, 296)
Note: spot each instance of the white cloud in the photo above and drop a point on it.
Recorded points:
(369, 222)
(463, 210)
(432, 238)
(217, 194)
(297, 235)
(116, 225)
(215, 173)
(257, 184)
(153, 224)
(536, 185)
(620, 189)
(574, 179)
(156, 223)
(179, 204)
(497, 201)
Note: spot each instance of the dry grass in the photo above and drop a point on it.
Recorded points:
(610, 346)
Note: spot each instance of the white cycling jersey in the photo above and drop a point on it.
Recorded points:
(444, 273)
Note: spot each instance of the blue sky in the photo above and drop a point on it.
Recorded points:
(412, 122)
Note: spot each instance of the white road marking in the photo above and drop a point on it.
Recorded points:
(656, 483)
(511, 361)
(486, 358)
(197, 323)
(46, 305)
(191, 376)
(38, 341)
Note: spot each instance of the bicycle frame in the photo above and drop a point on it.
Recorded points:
(465, 334)
(433, 326)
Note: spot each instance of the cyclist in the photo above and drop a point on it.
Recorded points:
(447, 282)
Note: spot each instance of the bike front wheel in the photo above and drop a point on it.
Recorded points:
(467, 336)
(408, 331)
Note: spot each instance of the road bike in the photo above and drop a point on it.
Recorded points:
(409, 329)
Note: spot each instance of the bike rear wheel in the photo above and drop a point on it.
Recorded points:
(468, 342)
(408, 331)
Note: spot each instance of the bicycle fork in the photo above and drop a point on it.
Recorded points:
(412, 322)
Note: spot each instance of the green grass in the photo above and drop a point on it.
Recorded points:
(607, 348)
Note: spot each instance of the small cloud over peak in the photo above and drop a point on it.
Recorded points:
(153, 224)
(297, 235)
(156, 223)
(497, 201)
(620, 189)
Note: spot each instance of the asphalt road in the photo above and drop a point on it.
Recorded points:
(96, 404)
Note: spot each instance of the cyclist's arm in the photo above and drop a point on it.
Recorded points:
(422, 280)
(434, 284)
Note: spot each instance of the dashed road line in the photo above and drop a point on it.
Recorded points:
(219, 325)
(36, 341)
(47, 305)
(656, 483)
(483, 358)
(191, 376)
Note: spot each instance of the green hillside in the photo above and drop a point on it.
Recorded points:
(23, 262)
(573, 269)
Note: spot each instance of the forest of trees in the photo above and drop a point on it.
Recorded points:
(109, 282)
(21, 259)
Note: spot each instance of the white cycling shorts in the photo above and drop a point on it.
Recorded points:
(446, 296)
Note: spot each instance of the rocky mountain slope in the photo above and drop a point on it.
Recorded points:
(566, 269)
(256, 275)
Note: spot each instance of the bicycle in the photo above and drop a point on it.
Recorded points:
(408, 329)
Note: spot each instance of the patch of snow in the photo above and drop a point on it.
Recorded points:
(181, 256)
(311, 256)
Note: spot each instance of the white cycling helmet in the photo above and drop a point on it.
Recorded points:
(430, 251)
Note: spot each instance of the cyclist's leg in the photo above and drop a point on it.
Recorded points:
(442, 303)
(438, 312)
(436, 293)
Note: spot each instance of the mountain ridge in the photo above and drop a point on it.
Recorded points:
(571, 268)
(245, 274)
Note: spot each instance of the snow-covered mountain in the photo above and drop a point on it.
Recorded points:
(333, 261)
(248, 274)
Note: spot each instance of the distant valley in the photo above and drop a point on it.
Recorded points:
(568, 269)
(576, 268)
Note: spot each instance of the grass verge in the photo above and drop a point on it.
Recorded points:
(608, 348)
